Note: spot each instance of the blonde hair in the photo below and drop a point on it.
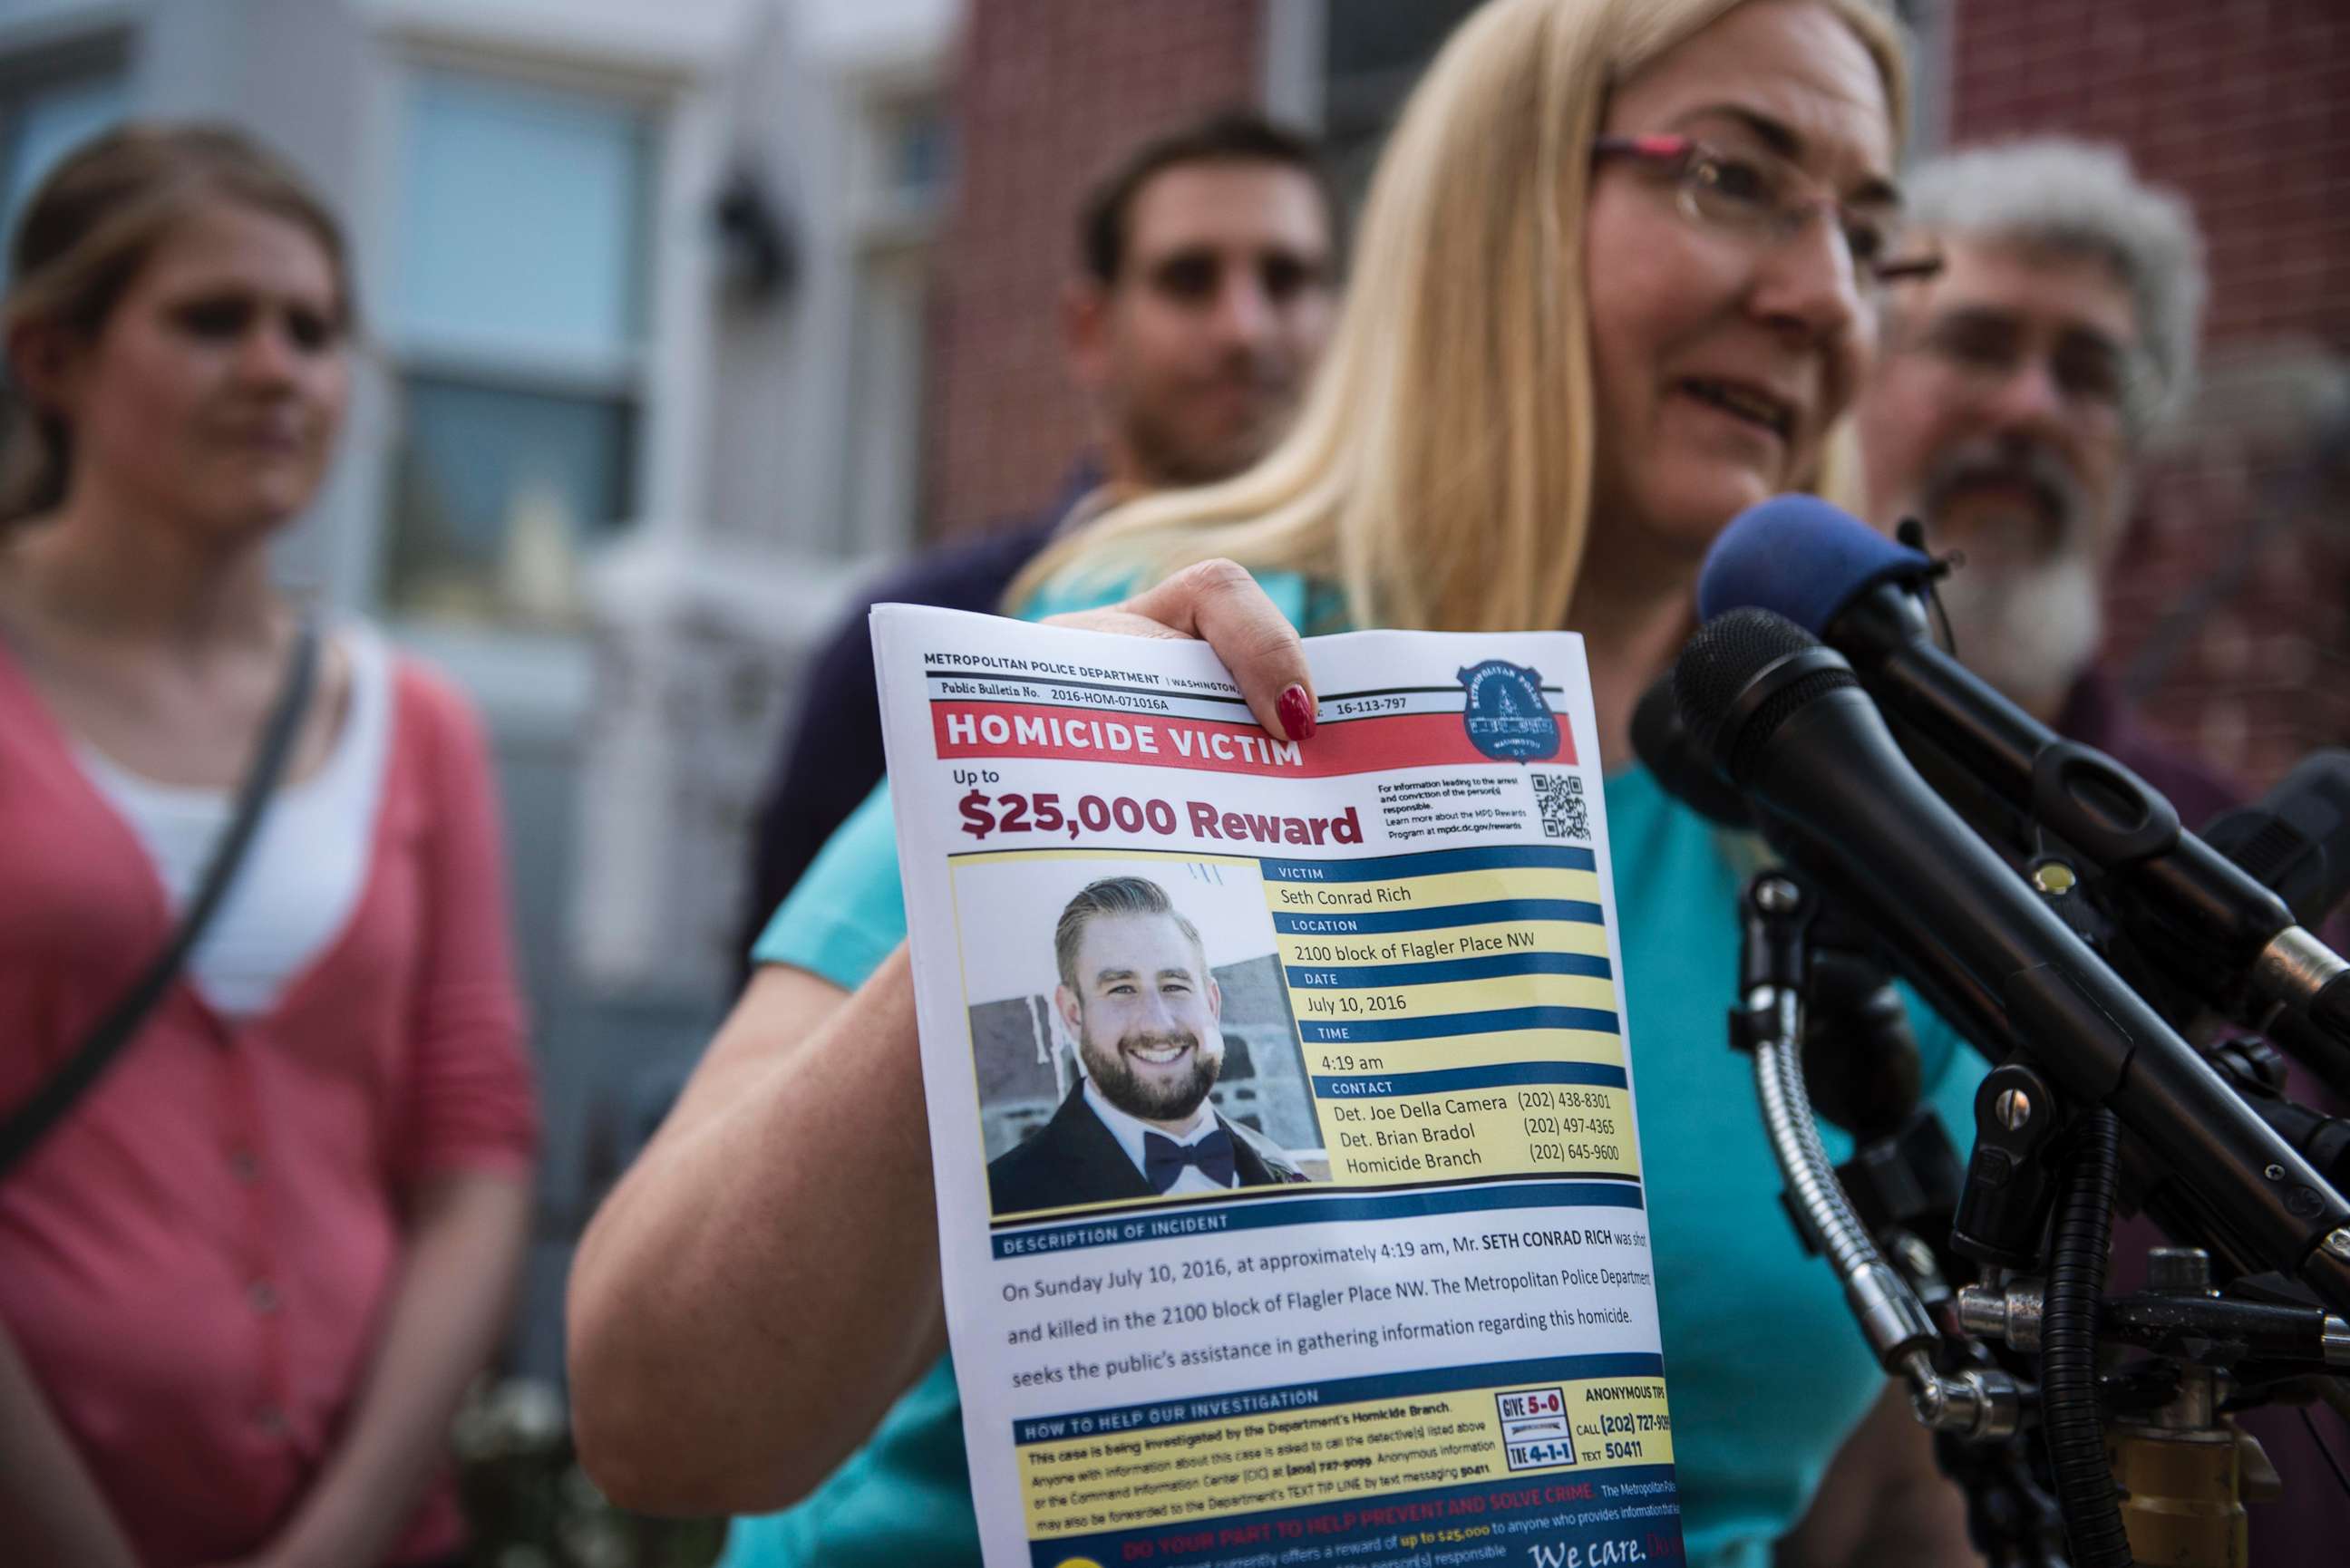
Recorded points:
(87, 231)
(1439, 471)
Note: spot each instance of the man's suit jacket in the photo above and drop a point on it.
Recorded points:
(1074, 1158)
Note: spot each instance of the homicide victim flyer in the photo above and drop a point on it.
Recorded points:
(1290, 1196)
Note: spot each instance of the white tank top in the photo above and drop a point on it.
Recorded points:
(305, 869)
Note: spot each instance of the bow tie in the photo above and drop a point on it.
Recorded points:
(1163, 1159)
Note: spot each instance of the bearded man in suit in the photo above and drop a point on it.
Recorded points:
(1139, 998)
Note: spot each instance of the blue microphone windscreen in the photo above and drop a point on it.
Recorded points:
(1801, 557)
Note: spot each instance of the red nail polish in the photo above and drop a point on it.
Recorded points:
(1296, 713)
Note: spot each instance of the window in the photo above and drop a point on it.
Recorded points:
(911, 144)
(1373, 52)
(518, 320)
(1927, 25)
(53, 114)
(900, 186)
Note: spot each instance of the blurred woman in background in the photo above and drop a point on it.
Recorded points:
(247, 1275)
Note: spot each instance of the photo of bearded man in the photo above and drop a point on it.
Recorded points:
(1138, 998)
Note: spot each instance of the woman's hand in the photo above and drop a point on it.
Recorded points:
(50, 1509)
(461, 1259)
(1220, 603)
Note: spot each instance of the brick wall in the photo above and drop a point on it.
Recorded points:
(2239, 104)
(1048, 94)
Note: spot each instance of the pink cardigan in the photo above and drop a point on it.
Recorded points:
(195, 1262)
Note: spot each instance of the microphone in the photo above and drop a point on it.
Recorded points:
(1839, 578)
(1785, 721)
(2296, 841)
(1667, 749)
(1860, 1059)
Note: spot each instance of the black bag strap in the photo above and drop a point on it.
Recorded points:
(30, 1122)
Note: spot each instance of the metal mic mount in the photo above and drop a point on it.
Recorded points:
(2023, 1371)
(1966, 1356)
(1976, 1407)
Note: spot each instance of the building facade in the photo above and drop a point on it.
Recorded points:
(643, 291)
(2229, 619)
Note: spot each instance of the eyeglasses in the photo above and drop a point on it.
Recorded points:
(1765, 201)
(2090, 373)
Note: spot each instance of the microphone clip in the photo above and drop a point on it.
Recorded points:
(1911, 532)
(1775, 913)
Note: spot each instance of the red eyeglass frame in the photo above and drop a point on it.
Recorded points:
(1661, 149)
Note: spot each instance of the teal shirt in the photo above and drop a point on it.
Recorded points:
(1764, 1368)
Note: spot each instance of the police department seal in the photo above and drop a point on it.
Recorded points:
(1508, 718)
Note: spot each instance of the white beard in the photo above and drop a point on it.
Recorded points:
(2029, 632)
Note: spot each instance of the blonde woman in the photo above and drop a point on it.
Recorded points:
(1615, 283)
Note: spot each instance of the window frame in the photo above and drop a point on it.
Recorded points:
(657, 388)
(893, 228)
(45, 63)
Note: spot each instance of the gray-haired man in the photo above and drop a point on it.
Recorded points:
(2012, 399)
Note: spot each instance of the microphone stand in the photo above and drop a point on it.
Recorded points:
(2004, 1369)
(1975, 1407)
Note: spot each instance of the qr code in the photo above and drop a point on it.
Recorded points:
(1559, 798)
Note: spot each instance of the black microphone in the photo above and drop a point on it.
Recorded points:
(1787, 722)
(2296, 841)
(2190, 905)
(1860, 1059)
(1666, 748)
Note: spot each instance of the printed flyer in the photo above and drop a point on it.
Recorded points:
(1280, 1097)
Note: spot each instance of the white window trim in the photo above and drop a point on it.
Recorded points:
(1290, 84)
(666, 376)
(884, 225)
(646, 44)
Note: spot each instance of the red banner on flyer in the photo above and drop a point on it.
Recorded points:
(965, 730)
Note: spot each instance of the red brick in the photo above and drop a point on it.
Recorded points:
(1047, 93)
(2242, 106)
